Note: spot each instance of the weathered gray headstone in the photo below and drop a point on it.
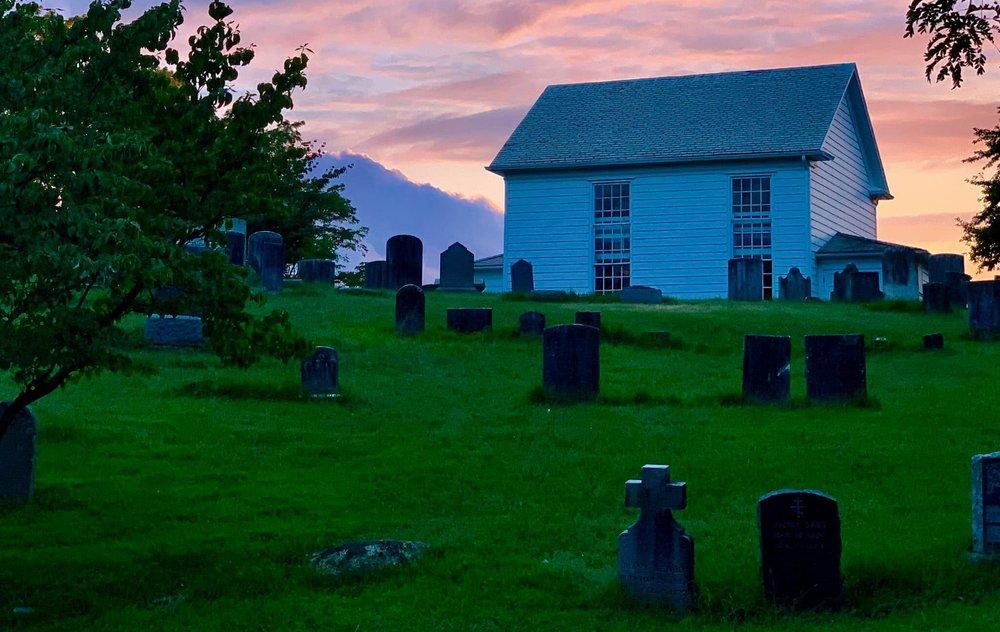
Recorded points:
(836, 369)
(267, 257)
(986, 506)
(470, 320)
(938, 266)
(767, 368)
(404, 261)
(746, 279)
(236, 247)
(795, 287)
(317, 270)
(800, 548)
(934, 342)
(320, 373)
(457, 269)
(174, 331)
(984, 309)
(571, 362)
(254, 243)
(897, 264)
(656, 555)
(855, 286)
(642, 294)
(522, 277)
(958, 288)
(531, 323)
(18, 448)
(410, 310)
(936, 300)
(592, 319)
(376, 275)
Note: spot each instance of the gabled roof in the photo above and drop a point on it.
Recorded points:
(776, 113)
(844, 245)
(496, 261)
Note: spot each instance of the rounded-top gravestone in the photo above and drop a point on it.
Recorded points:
(317, 270)
(410, 310)
(532, 323)
(571, 362)
(404, 261)
(254, 243)
(938, 266)
(18, 448)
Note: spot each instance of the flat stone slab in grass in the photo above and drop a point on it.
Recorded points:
(641, 294)
(174, 331)
(356, 558)
(17, 458)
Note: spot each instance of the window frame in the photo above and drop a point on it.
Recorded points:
(751, 218)
(610, 225)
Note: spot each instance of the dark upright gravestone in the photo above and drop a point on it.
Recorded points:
(271, 258)
(835, 368)
(767, 368)
(795, 287)
(174, 331)
(656, 555)
(404, 261)
(236, 247)
(457, 269)
(571, 361)
(855, 286)
(470, 321)
(746, 279)
(958, 287)
(800, 548)
(591, 319)
(936, 299)
(410, 310)
(320, 373)
(376, 275)
(317, 270)
(984, 309)
(934, 342)
(18, 447)
(986, 506)
(642, 294)
(522, 277)
(938, 266)
(254, 243)
(531, 324)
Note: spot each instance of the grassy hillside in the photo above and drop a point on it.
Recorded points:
(190, 499)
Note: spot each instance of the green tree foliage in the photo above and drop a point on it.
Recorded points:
(116, 149)
(958, 31)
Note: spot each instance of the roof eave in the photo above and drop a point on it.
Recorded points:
(806, 154)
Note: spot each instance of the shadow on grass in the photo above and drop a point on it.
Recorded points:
(259, 392)
(738, 400)
(540, 396)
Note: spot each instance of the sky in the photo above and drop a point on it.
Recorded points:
(432, 88)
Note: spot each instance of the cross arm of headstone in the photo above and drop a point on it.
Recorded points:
(655, 492)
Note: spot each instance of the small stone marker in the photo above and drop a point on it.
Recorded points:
(936, 299)
(236, 247)
(836, 368)
(410, 310)
(986, 506)
(358, 558)
(317, 270)
(800, 548)
(767, 368)
(470, 320)
(795, 287)
(958, 287)
(591, 319)
(656, 555)
(939, 266)
(984, 309)
(174, 331)
(321, 373)
(457, 269)
(641, 294)
(18, 449)
(934, 342)
(522, 277)
(376, 275)
(404, 261)
(746, 279)
(571, 362)
(532, 323)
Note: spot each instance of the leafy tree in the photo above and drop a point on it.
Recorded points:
(117, 149)
(958, 30)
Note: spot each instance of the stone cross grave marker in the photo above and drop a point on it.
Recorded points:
(767, 368)
(404, 261)
(986, 506)
(410, 310)
(18, 449)
(320, 373)
(522, 277)
(457, 269)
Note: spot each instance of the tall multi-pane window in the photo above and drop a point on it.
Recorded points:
(612, 240)
(752, 224)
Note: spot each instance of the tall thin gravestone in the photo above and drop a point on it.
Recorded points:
(767, 368)
(410, 310)
(457, 269)
(984, 309)
(795, 287)
(236, 247)
(571, 362)
(320, 373)
(404, 261)
(836, 368)
(986, 506)
(800, 548)
(746, 279)
(18, 448)
(522, 277)
(376, 275)
(656, 555)
(271, 258)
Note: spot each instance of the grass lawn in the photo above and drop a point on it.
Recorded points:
(190, 499)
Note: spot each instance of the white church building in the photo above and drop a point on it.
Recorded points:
(661, 181)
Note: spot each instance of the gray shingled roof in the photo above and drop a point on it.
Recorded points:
(496, 261)
(759, 113)
(842, 244)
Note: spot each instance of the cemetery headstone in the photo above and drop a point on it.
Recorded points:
(571, 362)
(197, 246)
(532, 324)
(986, 506)
(254, 243)
(934, 342)
(235, 224)
(767, 368)
(936, 299)
(641, 294)
(897, 263)
(236, 247)
(656, 555)
(457, 269)
(317, 270)
(795, 287)
(404, 261)
(522, 277)
(836, 368)
(800, 548)
(855, 286)
(18, 449)
(320, 373)
(958, 287)
(984, 309)
(938, 266)
(376, 275)
(746, 279)
(470, 320)
(592, 319)
(174, 331)
(271, 258)
(410, 310)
